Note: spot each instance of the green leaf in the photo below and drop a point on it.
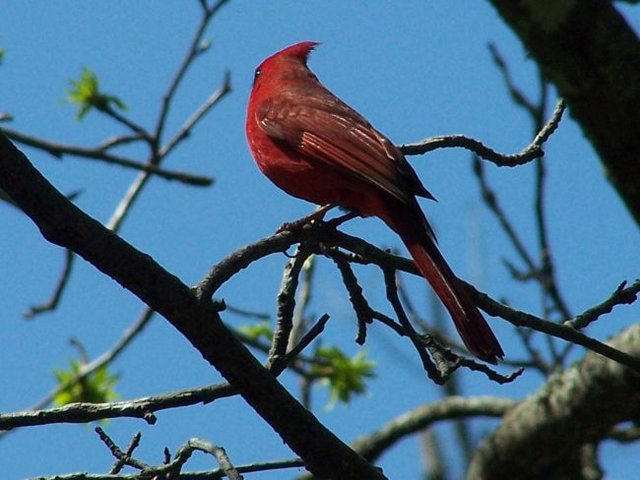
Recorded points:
(255, 331)
(2, 52)
(344, 376)
(97, 387)
(86, 94)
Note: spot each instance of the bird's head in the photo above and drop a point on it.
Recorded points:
(289, 62)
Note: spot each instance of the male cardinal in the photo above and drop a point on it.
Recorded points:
(314, 146)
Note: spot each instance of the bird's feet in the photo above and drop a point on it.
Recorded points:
(318, 214)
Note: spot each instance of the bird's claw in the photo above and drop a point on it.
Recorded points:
(318, 214)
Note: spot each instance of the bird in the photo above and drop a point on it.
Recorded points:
(315, 147)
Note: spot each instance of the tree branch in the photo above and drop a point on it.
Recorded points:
(622, 295)
(529, 153)
(522, 319)
(374, 444)
(542, 436)
(592, 55)
(58, 150)
(64, 224)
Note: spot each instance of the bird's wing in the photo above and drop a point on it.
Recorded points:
(325, 129)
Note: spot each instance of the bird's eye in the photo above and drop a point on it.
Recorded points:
(257, 74)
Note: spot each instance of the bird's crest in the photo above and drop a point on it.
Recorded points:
(300, 51)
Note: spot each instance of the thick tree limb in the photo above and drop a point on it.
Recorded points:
(544, 436)
(593, 57)
(64, 224)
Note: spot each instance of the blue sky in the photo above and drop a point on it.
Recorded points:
(415, 69)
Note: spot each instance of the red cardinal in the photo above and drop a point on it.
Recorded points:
(314, 146)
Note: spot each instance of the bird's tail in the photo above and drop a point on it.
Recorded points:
(471, 325)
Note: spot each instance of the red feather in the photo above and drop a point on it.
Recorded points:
(314, 146)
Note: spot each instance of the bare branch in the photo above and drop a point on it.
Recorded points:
(552, 125)
(490, 372)
(529, 153)
(361, 307)
(58, 150)
(120, 462)
(437, 372)
(367, 253)
(521, 319)
(201, 111)
(193, 51)
(157, 153)
(121, 457)
(517, 95)
(104, 359)
(622, 295)
(460, 141)
(130, 124)
(143, 408)
(305, 292)
(373, 445)
(218, 452)
(598, 60)
(241, 259)
(64, 224)
(200, 475)
(491, 200)
(247, 313)
(542, 436)
(52, 303)
(118, 141)
(286, 306)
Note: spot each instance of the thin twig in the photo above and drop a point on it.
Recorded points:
(218, 452)
(118, 141)
(286, 306)
(130, 124)
(552, 125)
(247, 313)
(199, 475)
(307, 338)
(305, 291)
(52, 303)
(535, 358)
(157, 155)
(491, 201)
(518, 97)
(545, 273)
(434, 372)
(106, 358)
(374, 444)
(120, 462)
(622, 295)
(99, 153)
(521, 319)
(193, 51)
(360, 305)
(200, 112)
(547, 278)
(118, 453)
(490, 372)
